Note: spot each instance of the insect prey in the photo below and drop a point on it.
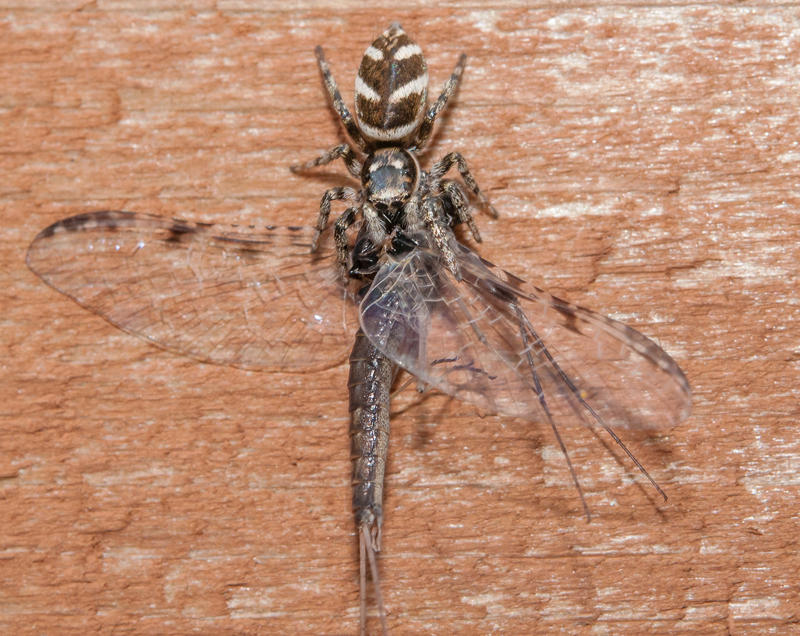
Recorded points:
(392, 272)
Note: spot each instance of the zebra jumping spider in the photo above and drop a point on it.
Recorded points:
(392, 126)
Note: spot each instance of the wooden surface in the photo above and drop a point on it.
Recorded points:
(644, 160)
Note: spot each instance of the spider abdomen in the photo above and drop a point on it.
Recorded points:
(391, 88)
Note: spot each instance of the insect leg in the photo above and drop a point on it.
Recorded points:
(336, 98)
(524, 329)
(460, 206)
(424, 132)
(342, 150)
(576, 399)
(334, 194)
(455, 158)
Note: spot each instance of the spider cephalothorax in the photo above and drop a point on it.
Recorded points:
(390, 177)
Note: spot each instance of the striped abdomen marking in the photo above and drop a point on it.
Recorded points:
(391, 87)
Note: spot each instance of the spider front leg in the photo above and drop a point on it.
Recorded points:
(426, 127)
(455, 158)
(435, 220)
(344, 151)
(334, 194)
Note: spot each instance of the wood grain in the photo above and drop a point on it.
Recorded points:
(644, 159)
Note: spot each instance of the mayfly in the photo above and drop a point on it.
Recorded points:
(416, 297)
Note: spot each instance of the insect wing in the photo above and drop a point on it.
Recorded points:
(219, 294)
(514, 349)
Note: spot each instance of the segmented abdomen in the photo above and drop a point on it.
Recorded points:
(370, 384)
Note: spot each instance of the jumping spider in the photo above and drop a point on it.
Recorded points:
(392, 127)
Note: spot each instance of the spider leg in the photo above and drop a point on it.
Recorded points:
(339, 106)
(450, 86)
(435, 220)
(456, 159)
(334, 194)
(340, 228)
(460, 205)
(343, 151)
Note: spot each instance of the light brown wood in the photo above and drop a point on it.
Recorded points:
(644, 160)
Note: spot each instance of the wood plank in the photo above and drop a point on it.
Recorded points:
(644, 162)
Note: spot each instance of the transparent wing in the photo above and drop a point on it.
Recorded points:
(514, 349)
(228, 295)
